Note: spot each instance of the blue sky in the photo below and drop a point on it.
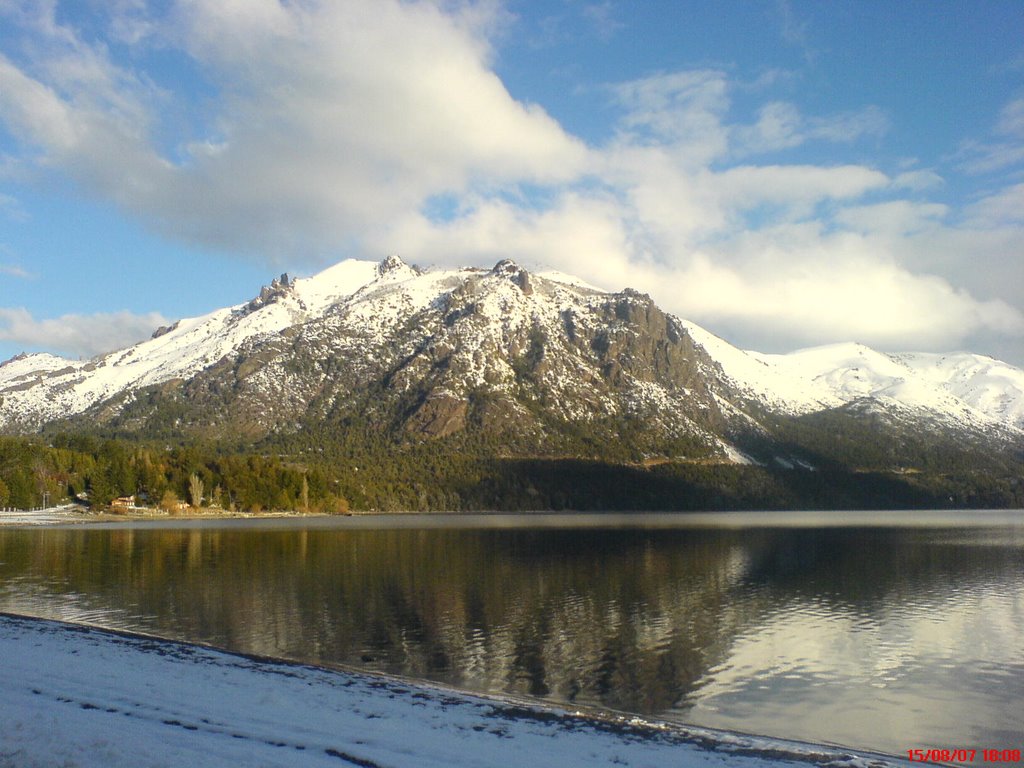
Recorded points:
(784, 173)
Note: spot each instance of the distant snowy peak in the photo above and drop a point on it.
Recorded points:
(989, 385)
(962, 387)
(757, 376)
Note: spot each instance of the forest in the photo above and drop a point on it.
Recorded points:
(60, 468)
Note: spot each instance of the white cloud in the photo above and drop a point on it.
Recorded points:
(1002, 208)
(794, 31)
(334, 126)
(583, 235)
(797, 187)
(1011, 119)
(1003, 151)
(985, 157)
(14, 271)
(810, 288)
(602, 17)
(784, 286)
(33, 111)
(785, 255)
(11, 207)
(681, 112)
(77, 335)
(918, 181)
(896, 218)
(780, 125)
(334, 118)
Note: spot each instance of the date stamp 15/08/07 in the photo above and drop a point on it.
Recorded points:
(964, 755)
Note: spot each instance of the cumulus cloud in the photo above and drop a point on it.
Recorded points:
(777, 255)
(811, 288)
(784, 286)
(580, 234)
(331, 116)
(77, 335)
(328, 129)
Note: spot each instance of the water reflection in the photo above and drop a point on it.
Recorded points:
(889, 639)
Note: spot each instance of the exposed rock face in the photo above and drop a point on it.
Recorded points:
(528, 363)
(511, 271)
(278, 289)
(440, 415)
(163, 330)
(504, 360)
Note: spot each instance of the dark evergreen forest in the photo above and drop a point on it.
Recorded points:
(363, 476)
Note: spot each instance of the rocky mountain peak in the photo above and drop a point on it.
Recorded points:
(393, 264)
(279, 287)
(510, 270)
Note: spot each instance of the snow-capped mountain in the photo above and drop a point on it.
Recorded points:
(959, 387)
(506, 360)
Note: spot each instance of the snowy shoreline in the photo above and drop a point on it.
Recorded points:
(81, 696)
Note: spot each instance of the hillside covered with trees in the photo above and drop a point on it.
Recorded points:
(34, 471)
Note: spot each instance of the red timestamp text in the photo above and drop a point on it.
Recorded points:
(964, 755)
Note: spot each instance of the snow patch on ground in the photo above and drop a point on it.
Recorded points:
(561, 277)
(82, 697)
(47, 516)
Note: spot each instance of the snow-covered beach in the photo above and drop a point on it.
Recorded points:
(82, 696)
(67, 513)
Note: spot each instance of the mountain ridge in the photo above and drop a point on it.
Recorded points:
(538, 363)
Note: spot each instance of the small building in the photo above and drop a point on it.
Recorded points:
(123, 502)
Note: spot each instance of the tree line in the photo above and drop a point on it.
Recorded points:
(443, 476)
(68, 468)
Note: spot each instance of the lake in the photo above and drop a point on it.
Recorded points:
(883, 631)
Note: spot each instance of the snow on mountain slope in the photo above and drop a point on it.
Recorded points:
(333, 284)
(989, 385)
(758, 376)
(26, 368)
(561, 277)
(38, 388)
(483, 316)
(472, 328)
(853, 371)
(961, 387)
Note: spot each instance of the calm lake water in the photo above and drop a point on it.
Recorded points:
(890, 633)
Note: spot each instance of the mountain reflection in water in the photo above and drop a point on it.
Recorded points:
(879, 638)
